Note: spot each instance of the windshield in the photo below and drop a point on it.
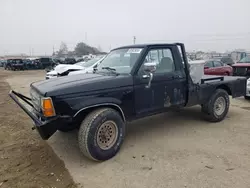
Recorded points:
(121, 60)
(80, 63)
(245, 60)
(90, 62)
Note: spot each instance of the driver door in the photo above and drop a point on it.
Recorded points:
(166, 87)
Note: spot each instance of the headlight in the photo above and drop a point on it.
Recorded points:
(43, 104)
(248, 83)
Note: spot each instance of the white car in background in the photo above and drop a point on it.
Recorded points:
(64, 70)
(90, 66)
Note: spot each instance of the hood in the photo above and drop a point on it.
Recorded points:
(241, 65)
(63, 68)
(81, 83)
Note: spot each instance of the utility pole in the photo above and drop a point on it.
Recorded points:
(134, 39)
(53, 49)
(86, 37)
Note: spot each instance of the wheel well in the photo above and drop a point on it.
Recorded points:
(226, 88)
(80, 115)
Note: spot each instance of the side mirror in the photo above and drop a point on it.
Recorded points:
(206, 67)
(150, 67)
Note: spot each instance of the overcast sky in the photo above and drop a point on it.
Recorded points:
(201, 24)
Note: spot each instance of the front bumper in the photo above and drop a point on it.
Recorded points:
(45, 128)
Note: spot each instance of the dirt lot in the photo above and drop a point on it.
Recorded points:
(167, 150)
(26, 160)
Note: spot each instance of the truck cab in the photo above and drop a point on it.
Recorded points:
(131, 82)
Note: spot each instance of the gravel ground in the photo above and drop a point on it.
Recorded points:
(26, 160)
(168, 150)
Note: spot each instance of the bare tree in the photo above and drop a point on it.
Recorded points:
(84, 49)
(63, 51)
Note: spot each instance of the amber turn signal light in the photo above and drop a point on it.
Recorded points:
(47, 107)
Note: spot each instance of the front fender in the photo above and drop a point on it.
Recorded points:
(97, 102)
(94, 101)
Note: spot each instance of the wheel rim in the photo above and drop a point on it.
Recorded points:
(219, 106)
(107, 135)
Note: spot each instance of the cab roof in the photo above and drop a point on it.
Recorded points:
(147, 45)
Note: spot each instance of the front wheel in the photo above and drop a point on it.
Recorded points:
(216, 109)
(101, 134)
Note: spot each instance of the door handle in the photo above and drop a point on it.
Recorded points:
(176, 76)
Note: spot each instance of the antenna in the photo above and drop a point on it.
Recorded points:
(86, 37)
(134, 39)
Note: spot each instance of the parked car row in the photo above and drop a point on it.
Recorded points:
(28, 64)
(35, 63)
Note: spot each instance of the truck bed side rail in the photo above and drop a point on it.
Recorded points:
(220, 78)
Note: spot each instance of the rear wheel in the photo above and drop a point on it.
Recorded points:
(217, 106)
(101, 134)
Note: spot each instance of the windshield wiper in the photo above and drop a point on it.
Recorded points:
(109, 68)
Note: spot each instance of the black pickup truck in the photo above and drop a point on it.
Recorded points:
(130, 83)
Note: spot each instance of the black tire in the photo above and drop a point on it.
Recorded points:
(208, 109)
(247, 97)
(89, 129)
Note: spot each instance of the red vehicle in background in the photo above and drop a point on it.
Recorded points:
(242, 68)
(217, 67)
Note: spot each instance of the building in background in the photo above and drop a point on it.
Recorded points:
(237, 55)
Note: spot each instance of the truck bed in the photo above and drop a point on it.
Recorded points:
(200, 93)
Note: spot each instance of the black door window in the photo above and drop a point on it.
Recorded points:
(163, 59)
